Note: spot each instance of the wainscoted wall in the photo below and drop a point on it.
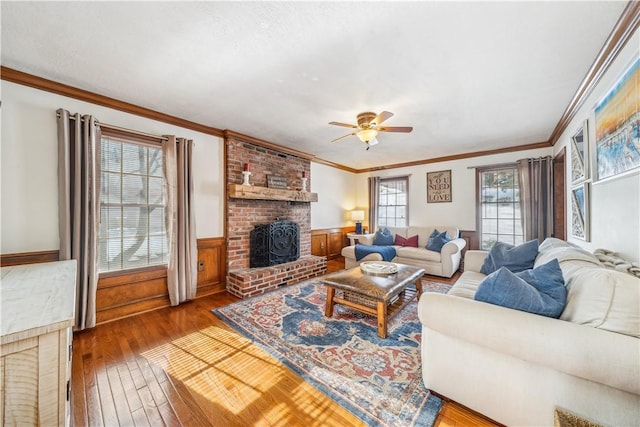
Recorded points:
(28, 258)
(328, 242)
(120, 296)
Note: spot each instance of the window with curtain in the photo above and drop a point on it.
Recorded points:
(393, 202)
(499, 218)
(132, 204)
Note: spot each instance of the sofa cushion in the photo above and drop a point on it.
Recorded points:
(514, 258)
(603, 298)
(420, 254)
(406, 241)
(437, 240)
(539, 291)
(383, 237)
(467, 285)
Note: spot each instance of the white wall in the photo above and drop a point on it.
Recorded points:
(461, 211)
(615, 202)
(336, 196)
(29, 195)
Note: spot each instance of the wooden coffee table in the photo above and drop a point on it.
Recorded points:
(382, 296)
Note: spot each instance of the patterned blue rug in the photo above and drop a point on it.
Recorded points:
(378, 380)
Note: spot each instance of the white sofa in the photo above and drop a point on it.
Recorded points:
(443, 263)
(516, 367)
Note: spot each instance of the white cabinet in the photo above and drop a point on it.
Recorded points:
(38, 307)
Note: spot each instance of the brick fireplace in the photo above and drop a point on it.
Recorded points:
(244, 214)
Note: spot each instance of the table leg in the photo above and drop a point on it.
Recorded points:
(382, 319)
(418, 289)
(328, 310)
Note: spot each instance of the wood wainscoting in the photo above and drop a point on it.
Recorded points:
(28, 258)
(328, 242)
(123, 295)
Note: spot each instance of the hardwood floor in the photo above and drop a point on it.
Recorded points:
(184, 366)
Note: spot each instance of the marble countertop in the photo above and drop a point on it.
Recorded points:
(36, 295)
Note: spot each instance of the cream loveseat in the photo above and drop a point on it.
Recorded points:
(443, 263)
(517, 368)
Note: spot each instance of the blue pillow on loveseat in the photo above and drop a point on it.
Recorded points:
(540, 290)
(437, 240)
(383, 237)
(514, 258)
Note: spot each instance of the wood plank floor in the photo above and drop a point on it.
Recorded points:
(184, 366)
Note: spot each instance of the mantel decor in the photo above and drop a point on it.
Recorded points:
(439, 186)
(276, 181)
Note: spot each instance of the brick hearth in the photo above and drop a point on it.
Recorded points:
(253, 281)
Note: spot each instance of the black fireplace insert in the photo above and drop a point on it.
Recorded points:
(273, 244)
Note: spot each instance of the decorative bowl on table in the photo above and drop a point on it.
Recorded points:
(380, 268)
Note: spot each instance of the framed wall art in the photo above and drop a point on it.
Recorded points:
(439, 186)
(580, 154)
(617, 119)
(580, 212)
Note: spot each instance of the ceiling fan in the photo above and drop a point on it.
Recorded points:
(369, 127)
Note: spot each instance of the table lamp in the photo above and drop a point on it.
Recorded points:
(358, 216)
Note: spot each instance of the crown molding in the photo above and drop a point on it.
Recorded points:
(622, 32)
(40, 83)
(543, 144)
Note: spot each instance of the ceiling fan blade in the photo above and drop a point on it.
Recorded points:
(343, 125)
(395, 129)
(381, 118)
(343, 137)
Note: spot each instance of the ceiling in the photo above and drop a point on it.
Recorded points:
(468, 76)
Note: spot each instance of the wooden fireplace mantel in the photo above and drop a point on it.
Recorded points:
(238, 191)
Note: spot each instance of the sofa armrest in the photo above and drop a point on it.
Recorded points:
(583, 351)
(473, 260)
(366, 239)
(450, 256)
(453, 246)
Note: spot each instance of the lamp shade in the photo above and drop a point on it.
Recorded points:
(357, 215)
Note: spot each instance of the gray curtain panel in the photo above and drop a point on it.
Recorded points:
(374, 191)
(536, 197)
(79, 206)
(182, 271)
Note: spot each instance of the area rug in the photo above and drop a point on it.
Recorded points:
(378, 380)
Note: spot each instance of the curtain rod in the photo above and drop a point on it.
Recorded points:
(112, 127)
(498, 165)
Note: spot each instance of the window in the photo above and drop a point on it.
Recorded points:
(132, 204)
(499, 206)
(393, 202)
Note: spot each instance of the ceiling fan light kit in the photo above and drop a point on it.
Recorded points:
(367, 135)
(369, 127)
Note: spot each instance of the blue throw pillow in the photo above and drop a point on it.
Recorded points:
(515, 258)
(540, 290)
(437, 240)
(383, 237)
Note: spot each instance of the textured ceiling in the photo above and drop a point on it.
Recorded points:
(468, 76)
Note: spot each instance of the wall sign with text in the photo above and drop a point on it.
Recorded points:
(439, 186)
